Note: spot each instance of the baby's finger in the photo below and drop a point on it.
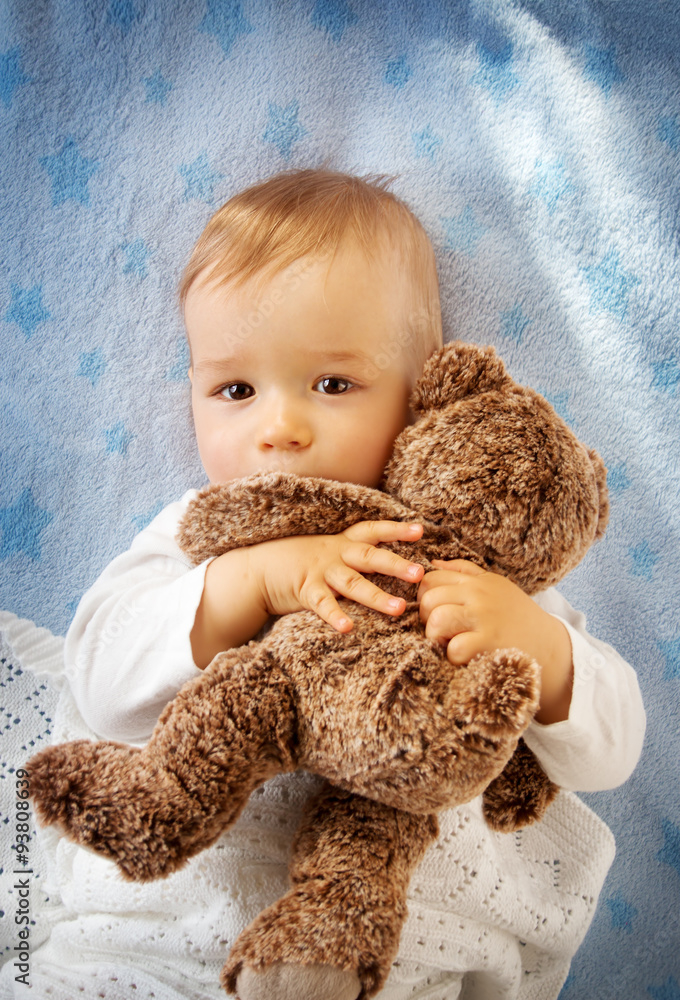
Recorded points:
(461, 648)
(357, 588)
(444, 622)
(429, 599)
(384, 531)
(323, 603)
(459, 566)
(366, 558)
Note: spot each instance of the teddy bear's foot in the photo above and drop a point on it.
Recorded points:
(284, 981)
(110, 798)
(350, 869)
(317, 942)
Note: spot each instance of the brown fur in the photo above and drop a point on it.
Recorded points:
(495, 476)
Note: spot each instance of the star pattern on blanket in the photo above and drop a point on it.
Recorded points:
(514, 323)
(463, 232)
(70, 173)
(200, 179)
(157, 88)
(426, 143)
(617, 478)
(136, 257)
(144, 519)
(622, 913)
(118, 439)
(602, 68)
(668, 131)
(551, 183)
(178, 371)
(643, 560)
(495, 72)
(283, 128)
(333, 17)
(92, 365)
(670, 650)
(123, 14)
(398, 72)
(666, 375)
(12, 75)
(224, 19)
(22, 524)
(26, 308)
(610, 285)
(670, 990)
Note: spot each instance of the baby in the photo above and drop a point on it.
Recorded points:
(311, 303)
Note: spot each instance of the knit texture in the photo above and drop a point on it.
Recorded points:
(513, 907)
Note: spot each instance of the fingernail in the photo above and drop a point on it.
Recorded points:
(395, 604)
(414, 570)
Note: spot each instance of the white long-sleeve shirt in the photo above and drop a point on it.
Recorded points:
(493, 915)
(128, 652)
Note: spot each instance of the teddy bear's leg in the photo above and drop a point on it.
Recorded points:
(334, 935)
(520, 794)
(151, 809)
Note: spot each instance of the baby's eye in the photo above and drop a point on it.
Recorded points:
(333, 386)
(237, 391)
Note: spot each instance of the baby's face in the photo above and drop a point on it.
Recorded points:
(306, 372)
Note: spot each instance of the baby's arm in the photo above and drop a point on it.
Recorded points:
(245, 586)
(127, 652)
(599, 743)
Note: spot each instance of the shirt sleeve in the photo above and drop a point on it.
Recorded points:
(599, 744)
(128, 650)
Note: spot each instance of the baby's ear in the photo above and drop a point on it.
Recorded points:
(455, 371)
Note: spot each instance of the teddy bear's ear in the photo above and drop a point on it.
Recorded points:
(455, 371)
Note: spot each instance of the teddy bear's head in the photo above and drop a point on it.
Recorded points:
(494, 462)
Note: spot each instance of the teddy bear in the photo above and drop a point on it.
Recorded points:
(396, 731)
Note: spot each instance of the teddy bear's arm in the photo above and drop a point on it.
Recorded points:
(278, 505)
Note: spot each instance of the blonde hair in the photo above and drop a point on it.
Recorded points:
(308, 213)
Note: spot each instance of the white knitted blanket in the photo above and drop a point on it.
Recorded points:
(491, 916)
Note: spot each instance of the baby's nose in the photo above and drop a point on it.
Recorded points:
(285, 429)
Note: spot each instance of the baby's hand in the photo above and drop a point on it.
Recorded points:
(309, 571)
(471, 611)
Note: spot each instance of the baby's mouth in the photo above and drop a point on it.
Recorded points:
(290, 468)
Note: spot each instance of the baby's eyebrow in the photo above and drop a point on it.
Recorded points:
(209, 367)
(217, 366)
(338, 356)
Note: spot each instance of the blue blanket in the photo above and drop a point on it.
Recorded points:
(538, 140)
